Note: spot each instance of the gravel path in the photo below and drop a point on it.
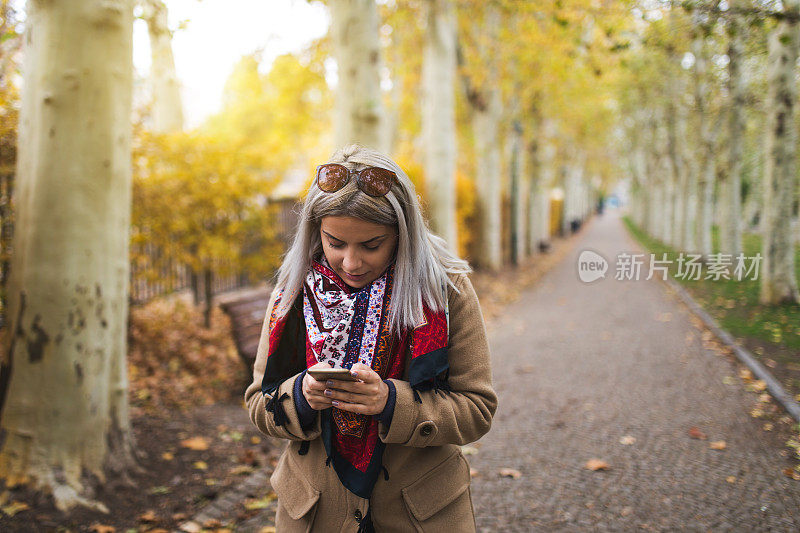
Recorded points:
(578, 366)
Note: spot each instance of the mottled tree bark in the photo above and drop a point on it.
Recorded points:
(65, 422)
(778, 281)
(517, 195)
(166, 93)
(730, 234)
(438, 117)
(359, 112)
(486, 107)
(707, 163)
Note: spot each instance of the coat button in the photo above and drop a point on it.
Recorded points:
(358, 515)
(426, 430)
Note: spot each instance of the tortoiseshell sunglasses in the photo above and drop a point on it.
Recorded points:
(374, 181)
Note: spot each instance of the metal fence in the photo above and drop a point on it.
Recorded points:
(155, 273)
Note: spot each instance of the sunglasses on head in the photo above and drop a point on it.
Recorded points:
(374, 181)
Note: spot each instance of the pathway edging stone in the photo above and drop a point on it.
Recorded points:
(748, 359)
(774, 387)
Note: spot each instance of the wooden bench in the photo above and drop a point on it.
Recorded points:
(247, 310)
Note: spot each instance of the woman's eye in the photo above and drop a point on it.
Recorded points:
(337, 246)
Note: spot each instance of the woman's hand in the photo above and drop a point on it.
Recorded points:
(366, 397)
(313, 391)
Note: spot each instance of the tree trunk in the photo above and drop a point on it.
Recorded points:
(778, 282)
(517, 198)
(485, 107)
(707, 166)
(730, 231)
(208, 288)
(438, 117)
(360, 116)
(674, 176)
(65, 421)
(487, 179)
(166, 96)
(572, 190)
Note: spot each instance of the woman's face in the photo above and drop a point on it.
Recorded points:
(357, 250)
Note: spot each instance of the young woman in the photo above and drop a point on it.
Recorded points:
(367, 287)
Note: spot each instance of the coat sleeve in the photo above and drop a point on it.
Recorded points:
(465, 413)
(256, 401)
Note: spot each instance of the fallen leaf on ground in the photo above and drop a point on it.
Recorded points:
(731, 479)
(695, 433)
(627, 440)
(790, 472)
(717, 445)
(212, 522)
(729, 380)
(241, 470)
(510, 472)
(626, 511)
(260, 503)
(167, 456)
(191, 527)
(772, 363)
(14, 507)
(101, 528)
(149, 516)
(195, 443)
(597, 464)
(200, 465)
(255, 439)
(767, 426)
(473, 472)
(267, 529)
(745, 374)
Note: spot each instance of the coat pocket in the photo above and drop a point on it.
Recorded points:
(294, 492)
(440, 500)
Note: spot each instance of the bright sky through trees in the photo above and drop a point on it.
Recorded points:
(217, 34)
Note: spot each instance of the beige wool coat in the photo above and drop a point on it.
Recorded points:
(429, 480)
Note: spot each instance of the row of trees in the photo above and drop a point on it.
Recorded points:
(486, 104)
(709, 106)
(515, 94)
(500, 93)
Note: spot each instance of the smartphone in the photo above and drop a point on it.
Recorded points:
(324, 374)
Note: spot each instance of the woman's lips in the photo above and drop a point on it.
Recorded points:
(354, 278)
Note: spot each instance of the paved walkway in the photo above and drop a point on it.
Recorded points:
(577, 367)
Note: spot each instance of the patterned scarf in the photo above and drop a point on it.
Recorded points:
(334, 323)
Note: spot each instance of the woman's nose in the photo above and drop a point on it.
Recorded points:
(351, 262)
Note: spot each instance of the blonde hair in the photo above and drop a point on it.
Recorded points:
(422, 262)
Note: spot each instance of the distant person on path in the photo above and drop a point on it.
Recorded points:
(367, 287)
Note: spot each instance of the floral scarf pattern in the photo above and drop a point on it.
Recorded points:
(334, 323)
